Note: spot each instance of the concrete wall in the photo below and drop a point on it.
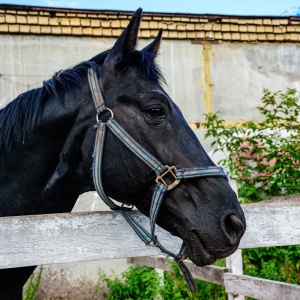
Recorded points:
(201, 78)
(239, 72)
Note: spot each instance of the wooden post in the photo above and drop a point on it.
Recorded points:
(234, 264)
(160, 273)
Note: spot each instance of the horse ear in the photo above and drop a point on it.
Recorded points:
(154, 46)
(127, 41)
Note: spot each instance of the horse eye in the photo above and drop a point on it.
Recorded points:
(156, 113)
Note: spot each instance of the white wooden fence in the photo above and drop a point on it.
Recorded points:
(272, 223)
(74, 237)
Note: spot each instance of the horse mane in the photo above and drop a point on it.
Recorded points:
(22, 114)
(147, 66)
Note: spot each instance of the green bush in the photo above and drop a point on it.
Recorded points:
(145, 283)
(275, 263)
(136, 283)
(264, 158)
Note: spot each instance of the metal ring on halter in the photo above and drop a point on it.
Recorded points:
(111, 112)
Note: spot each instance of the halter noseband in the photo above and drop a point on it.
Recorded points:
(160, 169)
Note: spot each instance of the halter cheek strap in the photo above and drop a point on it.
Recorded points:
(162, 171)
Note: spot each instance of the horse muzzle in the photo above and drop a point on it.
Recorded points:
(205, 249)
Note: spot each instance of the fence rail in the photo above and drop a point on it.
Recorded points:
(260, 288)
(73, 237)
(278, 224)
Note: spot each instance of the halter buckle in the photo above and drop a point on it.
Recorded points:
(167, 170)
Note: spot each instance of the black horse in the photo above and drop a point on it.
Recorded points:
(47, 138)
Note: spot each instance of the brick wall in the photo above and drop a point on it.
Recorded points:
(199, 28)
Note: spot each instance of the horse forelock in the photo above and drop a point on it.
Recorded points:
(147, 66)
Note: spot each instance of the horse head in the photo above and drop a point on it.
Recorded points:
(203, 212)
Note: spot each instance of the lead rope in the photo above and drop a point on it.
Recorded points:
(161, 187)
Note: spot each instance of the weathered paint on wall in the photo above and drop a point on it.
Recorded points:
(201, 78)
(208, 91)
(241, 71)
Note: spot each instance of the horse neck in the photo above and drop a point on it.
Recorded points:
(47, 167)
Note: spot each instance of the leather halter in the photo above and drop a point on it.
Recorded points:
(161, 170)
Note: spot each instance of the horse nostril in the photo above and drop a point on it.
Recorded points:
(233, 228)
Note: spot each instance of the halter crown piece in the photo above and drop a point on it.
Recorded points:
(160, 169)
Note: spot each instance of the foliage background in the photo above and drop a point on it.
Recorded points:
(264, 158)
